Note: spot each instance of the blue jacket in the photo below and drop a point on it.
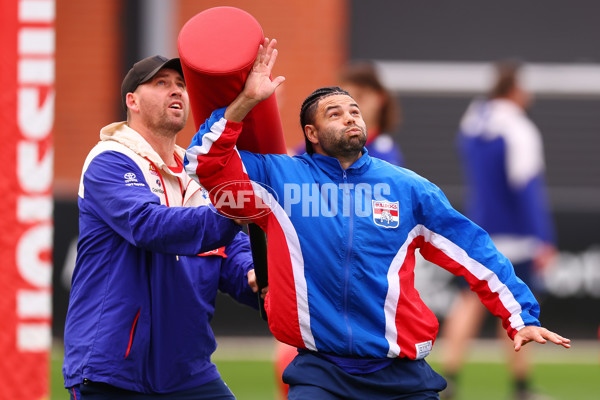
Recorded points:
(342, 242)
(503, 161)
(142, 298)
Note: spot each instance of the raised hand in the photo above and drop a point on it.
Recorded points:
(259, 85)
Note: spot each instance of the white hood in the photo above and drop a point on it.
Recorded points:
(121, 133)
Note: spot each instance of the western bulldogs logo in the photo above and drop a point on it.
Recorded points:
(153, 170)
(385, 213)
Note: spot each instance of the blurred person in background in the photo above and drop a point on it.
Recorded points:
(151, 256)
(503, 161)
(380, 110)
(382, 115)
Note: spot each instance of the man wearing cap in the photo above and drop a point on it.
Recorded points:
(342, 230)
(151, 256)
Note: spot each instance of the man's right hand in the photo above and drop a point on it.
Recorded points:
(259, 85)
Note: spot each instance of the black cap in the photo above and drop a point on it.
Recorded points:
(144, 70)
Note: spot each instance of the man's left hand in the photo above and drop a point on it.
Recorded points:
(540, 335)
(254, 285)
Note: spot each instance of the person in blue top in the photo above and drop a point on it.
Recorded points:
(502, 155)
(151, 256)
(342, 230)
(382, 114)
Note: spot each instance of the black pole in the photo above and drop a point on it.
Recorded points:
(258, 244)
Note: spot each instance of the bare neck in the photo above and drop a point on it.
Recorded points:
(346, 162)
(162, 143)
(519, 97)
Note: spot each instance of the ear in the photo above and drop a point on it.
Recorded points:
(311, 133)
(132, 102)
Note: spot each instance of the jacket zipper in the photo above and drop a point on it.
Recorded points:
(162, 182)
(347, 262)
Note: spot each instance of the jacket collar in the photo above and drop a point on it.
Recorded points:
(120, 132)
(332, 167)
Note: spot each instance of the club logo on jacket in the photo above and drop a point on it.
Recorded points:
(385, 213)
(153, 170)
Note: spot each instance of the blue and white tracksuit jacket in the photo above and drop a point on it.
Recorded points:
(142, 297)
(503, 160)
(341, 246)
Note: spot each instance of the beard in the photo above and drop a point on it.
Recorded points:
(166, 125)
(336, 143)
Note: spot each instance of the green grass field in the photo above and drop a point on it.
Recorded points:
(568, 376)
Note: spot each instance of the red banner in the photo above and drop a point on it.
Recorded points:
(27, 60)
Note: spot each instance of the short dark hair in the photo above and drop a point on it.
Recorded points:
(309, 108)
(507, 77)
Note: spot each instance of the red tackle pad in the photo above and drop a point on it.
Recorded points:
(217, 48)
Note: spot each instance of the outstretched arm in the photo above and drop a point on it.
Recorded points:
(540, 335)
(259, 85)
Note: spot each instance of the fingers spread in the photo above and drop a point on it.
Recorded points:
(557, 339)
